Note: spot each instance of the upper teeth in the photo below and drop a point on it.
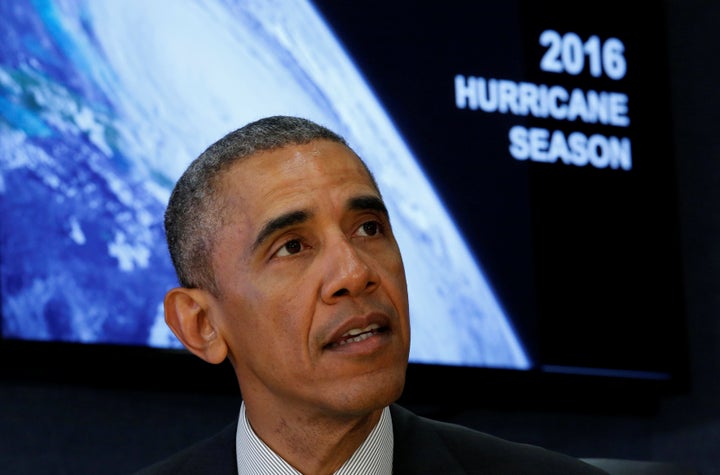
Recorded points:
(357, 331)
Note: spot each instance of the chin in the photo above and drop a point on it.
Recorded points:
(374, 393)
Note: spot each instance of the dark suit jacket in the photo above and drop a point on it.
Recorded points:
(422, 446)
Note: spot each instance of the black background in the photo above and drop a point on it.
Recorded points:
(586, 261)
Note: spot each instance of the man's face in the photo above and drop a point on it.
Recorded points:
(313, 299)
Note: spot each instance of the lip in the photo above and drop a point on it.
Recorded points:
(358, 330)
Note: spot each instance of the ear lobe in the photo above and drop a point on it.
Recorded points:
(188, 314)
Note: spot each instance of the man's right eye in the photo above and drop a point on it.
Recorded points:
(291, 247)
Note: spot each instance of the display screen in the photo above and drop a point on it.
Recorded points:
(524, 151)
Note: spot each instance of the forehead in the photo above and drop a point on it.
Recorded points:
(320, 160)
(293, 176)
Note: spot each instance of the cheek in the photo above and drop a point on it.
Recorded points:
(258, 329)
(270, 314)
(396, 285)
(395, 271)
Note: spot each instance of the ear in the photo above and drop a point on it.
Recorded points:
(188, 313)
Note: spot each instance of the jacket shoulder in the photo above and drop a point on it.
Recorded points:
(424, 445)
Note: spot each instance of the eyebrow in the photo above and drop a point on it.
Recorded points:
(357, 203)
(283, 221)
(367, 202)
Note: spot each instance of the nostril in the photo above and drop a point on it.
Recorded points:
(341, 292)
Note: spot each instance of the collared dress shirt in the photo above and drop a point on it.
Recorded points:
(373, 457)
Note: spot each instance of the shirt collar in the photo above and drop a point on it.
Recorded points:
(374, 455)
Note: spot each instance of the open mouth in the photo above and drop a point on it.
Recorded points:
(356, 335)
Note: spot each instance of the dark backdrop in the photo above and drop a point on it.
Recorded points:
(51, 426)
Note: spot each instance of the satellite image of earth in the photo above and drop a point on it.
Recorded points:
(102, 106)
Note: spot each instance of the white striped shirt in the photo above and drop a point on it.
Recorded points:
(373, 457)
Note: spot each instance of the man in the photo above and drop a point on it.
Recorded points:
(288, 267)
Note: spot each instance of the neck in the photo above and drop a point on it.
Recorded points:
(317, 444)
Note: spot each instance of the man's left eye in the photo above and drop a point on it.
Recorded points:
(370, 228)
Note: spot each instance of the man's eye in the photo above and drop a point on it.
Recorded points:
(291, 247)
(370, 228)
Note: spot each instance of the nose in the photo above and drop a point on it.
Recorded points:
(348, 271)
